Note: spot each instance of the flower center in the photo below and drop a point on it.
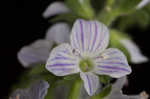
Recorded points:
(86, 65)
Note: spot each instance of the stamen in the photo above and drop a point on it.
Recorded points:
(86, 65)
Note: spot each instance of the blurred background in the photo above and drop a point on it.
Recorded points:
(29, 25)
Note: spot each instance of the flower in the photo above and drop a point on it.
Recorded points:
(38, 51)
(134, 51)
(37, 90)
(116, 92)
(55, 8)
(88, 55)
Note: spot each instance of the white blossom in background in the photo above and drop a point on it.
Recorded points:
(88, 55)
(134, 51)
(142, 4)
(37, 90)
(34, 53)
(116, 92)
(38, 51)
(55, 8)
(59, 33)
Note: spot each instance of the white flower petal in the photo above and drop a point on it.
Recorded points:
(89, 36)
(112, 62)
(118, 85)
(116, 92)
(58, 33)
(142, 4)
(117, 88)
(35, 53)
(55, 8)
(91, 82)
(135, 53)
(37, 90)
(61, 61)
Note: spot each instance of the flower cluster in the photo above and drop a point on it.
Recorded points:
(59, 33)
(87, 54)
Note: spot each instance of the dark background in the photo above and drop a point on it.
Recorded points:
(25, 25)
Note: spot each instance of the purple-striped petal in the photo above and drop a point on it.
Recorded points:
(89, 36)
(112, 62)
(91, 82)
(62, 61)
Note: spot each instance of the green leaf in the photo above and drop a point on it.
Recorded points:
(75, 90)
(60, 82)
(68, 17)
(50, 89)
(127, 6)
(40, 72)
(53, 84)
(109, 3)
(49, 93)
(104, 79)
(116, 8)
(37, 69)
(139, 18)
(103, 93)
(107, 16)
(71, 77)
(81, 8)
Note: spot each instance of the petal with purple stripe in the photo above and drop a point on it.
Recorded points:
(61, 61)
(91, 82)
(89, 36)
(112, 62)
